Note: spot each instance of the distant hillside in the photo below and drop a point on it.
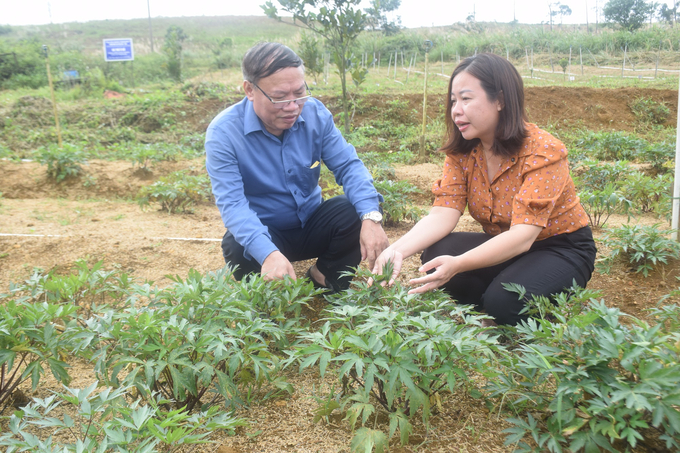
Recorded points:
(202, 30)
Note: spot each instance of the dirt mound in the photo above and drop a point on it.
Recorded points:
(100, 179)
(553, 107)
(593, 108)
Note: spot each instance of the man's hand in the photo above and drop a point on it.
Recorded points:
(373, 241)
(276, 267)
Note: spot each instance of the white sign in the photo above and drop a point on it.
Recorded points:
(118, 49)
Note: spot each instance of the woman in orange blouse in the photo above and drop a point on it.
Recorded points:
(514, 179)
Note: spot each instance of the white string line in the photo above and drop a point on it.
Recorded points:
(190, 239)
(154, 238)
(34, 235)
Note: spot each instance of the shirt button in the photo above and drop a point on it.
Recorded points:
(290, 171)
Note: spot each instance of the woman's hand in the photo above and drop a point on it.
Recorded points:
(386, 257)
(445, 266)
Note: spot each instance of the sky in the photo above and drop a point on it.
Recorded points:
(413, 13)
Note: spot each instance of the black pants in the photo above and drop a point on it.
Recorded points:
(550, 266)
(331, 235)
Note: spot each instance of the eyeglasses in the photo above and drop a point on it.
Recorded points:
(284, 104)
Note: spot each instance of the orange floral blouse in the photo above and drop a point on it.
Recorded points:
(532, 188)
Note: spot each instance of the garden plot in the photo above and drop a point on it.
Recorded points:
(53, 226)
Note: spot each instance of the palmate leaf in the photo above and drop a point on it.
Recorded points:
(365, 440)
(325, 410)
(59, 371)
(400, 421)
(362, 407)
(7, 356)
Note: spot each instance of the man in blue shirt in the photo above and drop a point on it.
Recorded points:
(264, 156)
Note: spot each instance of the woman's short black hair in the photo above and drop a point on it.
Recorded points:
(501, 82)
(266, 58)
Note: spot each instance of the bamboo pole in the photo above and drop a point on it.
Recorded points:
(423, 151)
(675, 213)
(54, 100)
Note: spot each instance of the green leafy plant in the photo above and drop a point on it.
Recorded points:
(650, 112)
(561, 307)
(564, 63)
(329, 186)
(88, 289)
(62, 163)
(595, 175)
(591, 383)
(601, 204)
(31, 335)
(310, 50)
(397, 207)
(659, 155)
(611, 146)
(142, 156)
(203, 343)
(177, 192)
(172, 48)
(106, 421)
(326, 406)
(646, 192)
(642, 247)
(396, 353)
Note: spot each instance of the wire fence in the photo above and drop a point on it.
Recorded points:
(579, 64)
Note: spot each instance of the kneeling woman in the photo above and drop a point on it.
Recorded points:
(514, 179)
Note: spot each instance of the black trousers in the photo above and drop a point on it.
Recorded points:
(331, 235)
(550, 266)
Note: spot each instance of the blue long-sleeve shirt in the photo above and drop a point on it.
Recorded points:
(259, 179)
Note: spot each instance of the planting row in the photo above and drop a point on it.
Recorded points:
(173, 364)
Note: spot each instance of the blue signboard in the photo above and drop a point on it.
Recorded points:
(118, 50)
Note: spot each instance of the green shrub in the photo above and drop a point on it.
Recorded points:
(660, 156)
(177, 192)
(601, 204)
(612, 146)
(395, 353)
(591, 383)
(397, 207)
(88, 289)
(204, 90)
(329, 186)
(642, 247)
(106, 421)
(647, 192)
(32, 335)
(5, 152)
(203, 341)
(193, 144)
(594, 175)
(650, 112)
(143, 155)
(62, 163)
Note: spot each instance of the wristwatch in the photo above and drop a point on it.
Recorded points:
(375, 216)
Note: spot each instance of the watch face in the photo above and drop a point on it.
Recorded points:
(374, 216)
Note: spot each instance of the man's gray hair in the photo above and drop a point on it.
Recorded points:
(266, 58)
